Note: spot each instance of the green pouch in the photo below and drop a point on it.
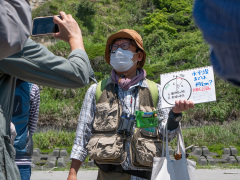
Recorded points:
(146, 119)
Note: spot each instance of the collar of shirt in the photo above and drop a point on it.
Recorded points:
(141, 83)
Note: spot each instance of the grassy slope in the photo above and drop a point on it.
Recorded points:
(170, 38)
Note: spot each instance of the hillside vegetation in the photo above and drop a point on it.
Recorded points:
(171, 40)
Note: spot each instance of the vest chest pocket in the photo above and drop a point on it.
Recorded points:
(106, 118)
(106, 148)
(143, 150)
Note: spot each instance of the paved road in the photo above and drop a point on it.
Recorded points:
(201, 174)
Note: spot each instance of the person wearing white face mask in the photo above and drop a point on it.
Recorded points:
(121, 60)
(108, 127)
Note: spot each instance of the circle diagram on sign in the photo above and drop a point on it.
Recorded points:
(176, 89)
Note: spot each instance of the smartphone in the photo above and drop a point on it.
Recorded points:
(44, 26)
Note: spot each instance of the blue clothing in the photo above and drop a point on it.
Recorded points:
(25, 171)
(20, 118)
(25, 117)
(220, 25)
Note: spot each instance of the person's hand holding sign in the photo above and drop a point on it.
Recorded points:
(182, 105)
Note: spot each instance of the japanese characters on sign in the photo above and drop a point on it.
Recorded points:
(193, 84)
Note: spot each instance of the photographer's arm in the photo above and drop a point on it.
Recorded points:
(69, 31)
(35, 63)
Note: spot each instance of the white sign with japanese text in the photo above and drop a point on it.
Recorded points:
(196, 85)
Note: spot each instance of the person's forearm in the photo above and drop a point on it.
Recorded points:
(75, 165)
(37, 64)
(76, 44)
(173, 120)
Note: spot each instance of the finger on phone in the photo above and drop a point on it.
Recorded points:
(56, 35)
(69, 16)
(57, 20)
(63, 15)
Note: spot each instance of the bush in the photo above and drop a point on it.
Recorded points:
(49, 140)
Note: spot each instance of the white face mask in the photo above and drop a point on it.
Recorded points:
(121, 60)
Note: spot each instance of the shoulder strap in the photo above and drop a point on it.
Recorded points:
(154, 91)
(100, 87)
(152, 87)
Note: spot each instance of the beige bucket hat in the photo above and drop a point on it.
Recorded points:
(129, 34)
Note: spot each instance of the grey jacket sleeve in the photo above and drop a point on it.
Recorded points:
(36, 64)
(15, 26)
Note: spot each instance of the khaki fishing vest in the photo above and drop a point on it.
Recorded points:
(108, 147)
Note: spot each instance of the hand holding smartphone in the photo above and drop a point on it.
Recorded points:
(43, 26)
(68, 31)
